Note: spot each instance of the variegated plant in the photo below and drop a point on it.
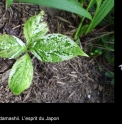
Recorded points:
(47, 48)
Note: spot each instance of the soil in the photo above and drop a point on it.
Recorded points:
(78, 80)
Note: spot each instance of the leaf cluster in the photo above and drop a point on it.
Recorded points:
(45, 47)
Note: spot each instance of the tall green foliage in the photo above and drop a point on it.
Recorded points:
(68, 5)
(101, 10)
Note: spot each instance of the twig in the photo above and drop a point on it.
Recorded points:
(23, 3)
(106, 68)
(103, 48)
(74, 68)
(17, 26)
(103, 28)
(93, 39)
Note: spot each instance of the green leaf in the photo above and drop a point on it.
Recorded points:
(96, 52)
(82, 30)
(98, 5)
(11, 47)
(91, 3)
(112, 82)
(109, 74)
(35, 27)
(68, 5)
(82, 2)
(21, 75)
(101, 12)
(56, 48)
(109, 56)
(111, 38)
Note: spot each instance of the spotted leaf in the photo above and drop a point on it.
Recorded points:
(11, 47)
(55, 48)
(35, 27)
(21, 75)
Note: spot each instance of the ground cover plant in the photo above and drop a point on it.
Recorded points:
(47, 48)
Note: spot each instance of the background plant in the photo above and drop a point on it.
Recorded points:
(68, 5)
(99, 9)
(105, 43)
(47, 48)
(105, 46)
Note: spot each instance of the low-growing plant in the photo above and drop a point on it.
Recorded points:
(105, 46)
(105, 43)
(110, 75)
(47, 48)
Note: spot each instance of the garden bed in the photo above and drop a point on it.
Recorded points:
(78, 80)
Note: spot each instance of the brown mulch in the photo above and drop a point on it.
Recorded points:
(78, 80)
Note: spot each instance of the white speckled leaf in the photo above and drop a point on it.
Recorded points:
(21, 75)
(11, 47)
(35, 27)
(55, 48)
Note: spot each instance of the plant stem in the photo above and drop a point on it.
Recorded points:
(98, 6)
(81, 22)
(79, 27)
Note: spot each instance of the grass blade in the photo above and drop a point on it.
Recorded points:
(80, 29)
(102, 12)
